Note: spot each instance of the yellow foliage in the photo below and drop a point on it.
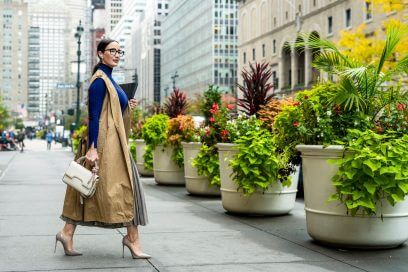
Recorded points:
(388, 5)
(367, 47)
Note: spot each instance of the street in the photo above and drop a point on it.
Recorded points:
(185, 233)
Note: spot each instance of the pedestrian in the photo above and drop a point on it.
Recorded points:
(49, 138)
(119, 199)
(20, 140)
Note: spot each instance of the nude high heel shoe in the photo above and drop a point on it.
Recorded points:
(61, 239)
(127, 243)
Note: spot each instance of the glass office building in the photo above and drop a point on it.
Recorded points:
(199, 46)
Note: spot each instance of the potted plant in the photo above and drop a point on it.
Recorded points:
(354, 191)
(137, 144)
(255, 178)
(167, 159)
(201, 157)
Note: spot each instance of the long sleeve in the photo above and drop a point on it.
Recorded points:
(97, 92)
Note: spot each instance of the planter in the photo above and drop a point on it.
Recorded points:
(328, 223)
(166, 171)
(196, 184)
(277, 200)
(140, 150)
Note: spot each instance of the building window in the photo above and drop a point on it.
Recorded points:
(348, 17)
(274, 46)
(244, 58)
(275, 80)
(314, 3)
(263, 51)
(330, 25)
(368, 11)
(274, 21)
(287, 15)
(253, 54)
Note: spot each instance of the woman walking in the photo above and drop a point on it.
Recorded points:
(119, 200)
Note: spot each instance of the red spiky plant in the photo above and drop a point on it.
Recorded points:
(256, 90)
(176, 104)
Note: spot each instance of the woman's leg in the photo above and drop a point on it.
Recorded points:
(68, 234)
(133, 237)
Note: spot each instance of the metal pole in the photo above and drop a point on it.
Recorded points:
(78, 79)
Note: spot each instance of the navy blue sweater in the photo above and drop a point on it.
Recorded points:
(96, 96)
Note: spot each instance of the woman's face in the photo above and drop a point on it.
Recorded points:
(111, 55)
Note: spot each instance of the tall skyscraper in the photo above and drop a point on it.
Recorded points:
(199, 46)
(49, 25)
(114, 11)
(13, 54)
(34, 97)
(149, 61)
(123, 32)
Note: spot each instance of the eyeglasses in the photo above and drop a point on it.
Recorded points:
(113, 52)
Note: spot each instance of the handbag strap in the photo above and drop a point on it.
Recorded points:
(95, 168)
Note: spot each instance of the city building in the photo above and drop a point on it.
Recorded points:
(268, 29)
(34, 96)
(123, 32)
(14, 55)
(199, 46)
(114, 11)
(49, 25)
(148, 34)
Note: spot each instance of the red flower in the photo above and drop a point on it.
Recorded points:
(379, 130)
(296, 124)
(212, 111)
(230, 106)
(224, 133)
(215, 107)
(207, 131)
(212, 120)
(297, 103)
(400, 107)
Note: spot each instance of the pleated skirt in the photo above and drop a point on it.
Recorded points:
(140, 218)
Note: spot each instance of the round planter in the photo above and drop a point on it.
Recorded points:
(328, 222)
(140, 150)
(277, 200)
(166, 171)
(196, 184)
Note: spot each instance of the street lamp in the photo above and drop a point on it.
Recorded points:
(78, 34)
(174, 79)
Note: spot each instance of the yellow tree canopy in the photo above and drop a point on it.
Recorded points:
(367, 47)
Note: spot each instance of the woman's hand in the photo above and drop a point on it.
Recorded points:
(133, 103)
(92, 156)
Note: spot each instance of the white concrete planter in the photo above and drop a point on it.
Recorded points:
(327, 222)
(166, 171)
(140, 151)
(277, 200)
(196, 184)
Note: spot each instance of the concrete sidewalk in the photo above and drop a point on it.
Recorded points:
(185, 233)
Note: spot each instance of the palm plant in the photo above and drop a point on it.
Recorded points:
(364, 87)
(256, 90)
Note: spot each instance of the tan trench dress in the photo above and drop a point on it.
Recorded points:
(115, 202)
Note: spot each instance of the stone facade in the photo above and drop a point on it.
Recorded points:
(267, 28)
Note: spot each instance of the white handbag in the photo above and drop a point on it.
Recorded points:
(81, 179)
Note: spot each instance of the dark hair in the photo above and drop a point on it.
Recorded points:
(101, 47)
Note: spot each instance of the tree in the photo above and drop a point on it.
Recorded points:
(4, 116)
(367, 47)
